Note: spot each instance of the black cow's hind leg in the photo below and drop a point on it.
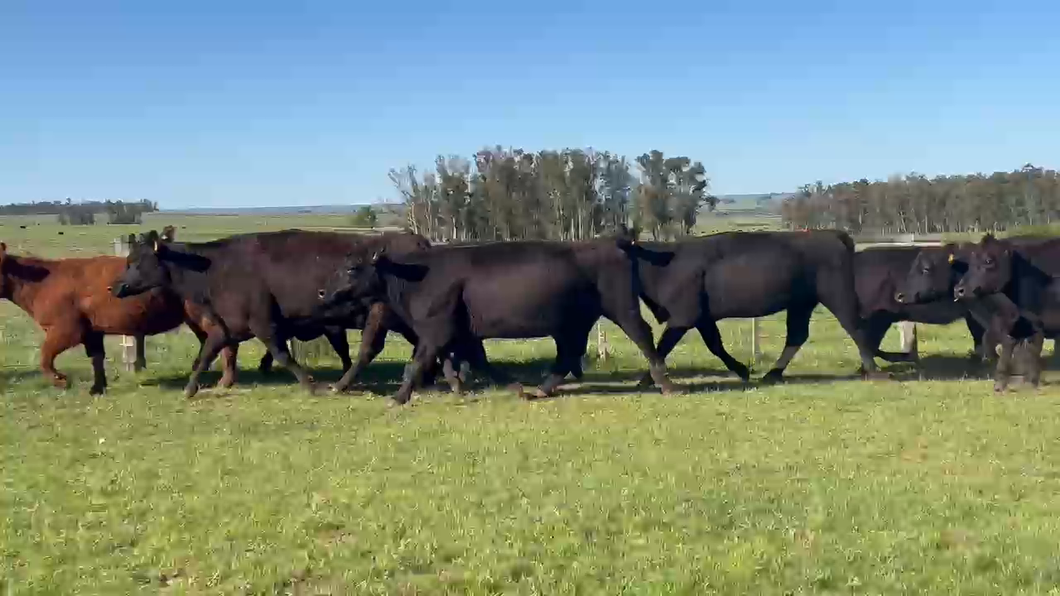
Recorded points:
(671, 336)
(336, 336)
(280, 352)
(425, 355)
(637, 329)
(708, 329)
(209, 350)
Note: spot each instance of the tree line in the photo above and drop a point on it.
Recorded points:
(915, 204)
(570, 194)
(118, 212)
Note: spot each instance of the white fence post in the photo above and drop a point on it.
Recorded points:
(128, 342)
(907, 334)
(755, 355)
(603, 350)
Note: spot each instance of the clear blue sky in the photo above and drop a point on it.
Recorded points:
(265, 103)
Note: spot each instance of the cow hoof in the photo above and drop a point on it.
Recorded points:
(1000, 387)
(190, 391)
(537, 393)
(97, 390)
(60, 381)
(646, 382)
(773, 376)
(225, 383)
(744, 373)
(139, 366)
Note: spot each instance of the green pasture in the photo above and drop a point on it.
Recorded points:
(826, 484)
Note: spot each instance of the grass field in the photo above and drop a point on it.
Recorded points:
(826, 484)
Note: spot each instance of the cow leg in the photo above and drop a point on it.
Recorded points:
(876, 328)
(336, 336)
(708, 330)
(95, 351)
(474, 353)
(569, 350)
(798, 325)
(58, 339)
(141, 359)
(425, 356)
(671, 336)
(215, 341)
(229, 359)
(1034, 347)
(373, 340)
(267, 333)
(637, 329)
(265, 364)
(845, 309)
(1004, 364)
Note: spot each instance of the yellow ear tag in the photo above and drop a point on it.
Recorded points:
(951, 259)
(156, 245)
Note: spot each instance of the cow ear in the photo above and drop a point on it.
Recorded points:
(169, 233)
(3, 249)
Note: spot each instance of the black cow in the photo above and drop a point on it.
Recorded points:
(879, 273)
(264, 285)
(451, 295)
(1026, 277)
(753, 274)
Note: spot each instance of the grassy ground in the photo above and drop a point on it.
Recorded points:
(824, 485)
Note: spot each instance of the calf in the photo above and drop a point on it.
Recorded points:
(264, 285)
(1026, 277)
(68, 298)
(753, 274)
(454, 295)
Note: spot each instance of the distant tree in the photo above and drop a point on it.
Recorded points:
(364, 217)
(76, 215)
(916, 204)
(570, 194)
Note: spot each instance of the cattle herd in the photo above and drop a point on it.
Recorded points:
(446, 299)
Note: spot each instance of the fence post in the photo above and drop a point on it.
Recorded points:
(603, 350)
(907, 334)
(128, 342)
(754, 342)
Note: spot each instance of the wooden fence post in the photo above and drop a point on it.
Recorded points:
(128, 342)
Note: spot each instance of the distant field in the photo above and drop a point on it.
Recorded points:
(826, 484)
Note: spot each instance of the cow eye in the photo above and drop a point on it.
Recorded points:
(926, 270)
(989, 261)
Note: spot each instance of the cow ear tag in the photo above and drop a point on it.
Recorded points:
(951, 259)
(157, 245)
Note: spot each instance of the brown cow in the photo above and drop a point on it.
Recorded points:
(69, 299)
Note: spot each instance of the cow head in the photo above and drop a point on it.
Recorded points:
(144, 269)
(989, 269)
(360, 279)
(932, 275)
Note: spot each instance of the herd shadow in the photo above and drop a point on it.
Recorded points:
(383, 378)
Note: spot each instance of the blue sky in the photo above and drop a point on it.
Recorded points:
(266, 103)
